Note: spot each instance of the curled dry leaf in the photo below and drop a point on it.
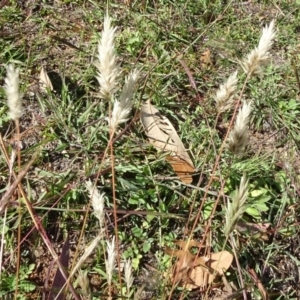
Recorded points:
(220, 261)
(217, 263)
(45, 82)
(195, 272)
(185, 260)
(164, 137)
(183, 264)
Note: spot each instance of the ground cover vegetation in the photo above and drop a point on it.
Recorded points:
(149, 149)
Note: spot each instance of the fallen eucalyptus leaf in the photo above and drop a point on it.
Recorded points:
(164, 137)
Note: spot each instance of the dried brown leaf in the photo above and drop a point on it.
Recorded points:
(195, 272)
(220, 261)
(199, 278)
(183, 170)
(164, 137)
(215, 265)
(183, 264)
(186, 260)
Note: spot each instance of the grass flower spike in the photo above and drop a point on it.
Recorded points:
(224, 96)
(97, 202)
(123, 107)
(88, 251)
(12, 92)
(128, 274)
(260, 55)
(108, 70)
(108, 73)
(236, 208)
(238, 137)
(110, 261)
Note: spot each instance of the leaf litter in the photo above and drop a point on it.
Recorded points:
(164, 137)
(194, 272)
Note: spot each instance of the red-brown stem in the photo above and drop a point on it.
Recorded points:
(17, 124)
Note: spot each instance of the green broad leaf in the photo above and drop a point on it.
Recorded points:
(27, 286)
(138, 232)
(146, 247)
(257, 193)
(133, 201)
(150, 217)
(253, 212)
(136, 262)
(264, 198)
(261, 207)
(207, 210)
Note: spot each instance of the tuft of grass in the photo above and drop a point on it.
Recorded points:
(226, 78)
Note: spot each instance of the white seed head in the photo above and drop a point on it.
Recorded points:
(236, 208)
(110, 261)
(108, 69)
(259, 56)
(97, 201)
(84, 282)
(122, 108)
(226, 92)
(238, 137)
(12, 92)
(88, 251)
(128, 274)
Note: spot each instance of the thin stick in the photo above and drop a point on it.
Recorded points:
(19, 208)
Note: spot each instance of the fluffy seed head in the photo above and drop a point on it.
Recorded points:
(110, 261)
(12, 92)
(88, 251)
(97, 201)
(108, 70)
(128, 274)
(225, 94)
(237, 207)
(238, 137)
(259, 56)
(84, 283)
(123, 107)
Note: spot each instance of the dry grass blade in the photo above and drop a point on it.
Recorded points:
(45, 82)
(259, 284)
(164, 137)
(83, 258)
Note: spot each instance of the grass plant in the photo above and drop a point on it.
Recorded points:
(84, 191)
